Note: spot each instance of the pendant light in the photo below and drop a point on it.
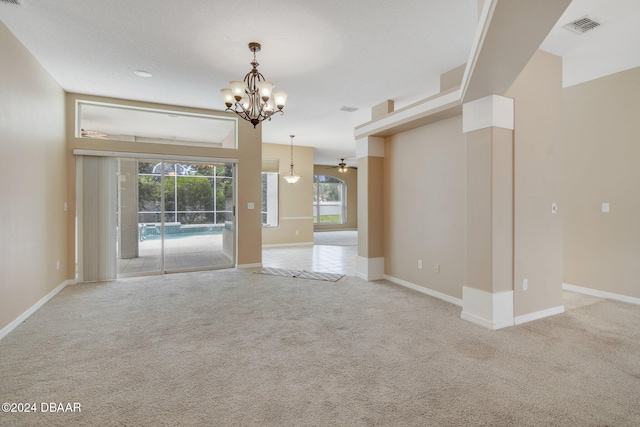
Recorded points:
(291, 176)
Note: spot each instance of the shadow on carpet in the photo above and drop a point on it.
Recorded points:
(300, 274)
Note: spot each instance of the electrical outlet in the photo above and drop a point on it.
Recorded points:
(525, 284)
(420, 264)
(436, 268)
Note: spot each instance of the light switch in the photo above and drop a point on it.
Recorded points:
(250, 206)
(554, 208)
(605, 207)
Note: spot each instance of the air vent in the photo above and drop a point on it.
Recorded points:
(582, 25)
(10, 2)
(349, 109)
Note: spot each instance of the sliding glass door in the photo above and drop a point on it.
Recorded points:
(198, 205)
(183, 217)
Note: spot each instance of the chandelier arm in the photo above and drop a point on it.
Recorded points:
(241, 111)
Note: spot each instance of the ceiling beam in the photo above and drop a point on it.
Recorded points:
(511, 32)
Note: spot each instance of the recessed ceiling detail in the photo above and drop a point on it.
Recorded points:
(10, 2)
(582, 25)
(349, 109)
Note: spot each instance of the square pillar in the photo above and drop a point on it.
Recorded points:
(487, 296)
(370, 259)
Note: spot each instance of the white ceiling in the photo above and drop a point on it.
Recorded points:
(325, 54)
(611, 47)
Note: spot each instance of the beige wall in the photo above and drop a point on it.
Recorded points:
(295, 209)
(424, 206)
(602, 165)
(33, 225)
(371, 241)
(424, 198)
(538, 184)
(489, 209)
(249, 157)
(351, 179)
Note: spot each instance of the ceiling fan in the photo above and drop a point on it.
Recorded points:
(342, 167)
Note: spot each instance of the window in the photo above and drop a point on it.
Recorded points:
(194, 193)
(270, 192)
(97, 120)
(329, 200)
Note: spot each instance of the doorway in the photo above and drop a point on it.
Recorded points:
(183, 216)
(169, 215)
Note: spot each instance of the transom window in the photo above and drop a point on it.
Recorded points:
(97, 120)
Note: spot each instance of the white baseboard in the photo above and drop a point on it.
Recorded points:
(316, 230)
(278, 245)
(256, 265)
(493, 325)
(24, 316)
(424, 290)
(601, 294)
(490, 310)
(370, 268)
(539, 315)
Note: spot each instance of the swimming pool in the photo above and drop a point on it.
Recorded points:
(177, 230)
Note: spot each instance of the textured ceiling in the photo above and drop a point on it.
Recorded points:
(325, 54)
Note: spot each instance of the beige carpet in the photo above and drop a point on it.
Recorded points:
(232, 348)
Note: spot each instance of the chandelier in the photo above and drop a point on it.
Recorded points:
(291, 176)
(253, 99)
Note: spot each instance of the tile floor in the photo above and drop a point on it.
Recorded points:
(336, 254)
(318, 258)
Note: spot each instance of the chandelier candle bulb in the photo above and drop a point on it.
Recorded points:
(269, 106)
(228, 97)
(265, 89)
(280, 99)
(238, 89)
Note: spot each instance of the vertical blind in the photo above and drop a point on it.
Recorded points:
(97, 218)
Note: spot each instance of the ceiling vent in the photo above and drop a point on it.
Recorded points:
(10, 2)
(349, 109)
(582, 25)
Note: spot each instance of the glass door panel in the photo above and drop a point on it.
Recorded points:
(139, 219)
(198, 207)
